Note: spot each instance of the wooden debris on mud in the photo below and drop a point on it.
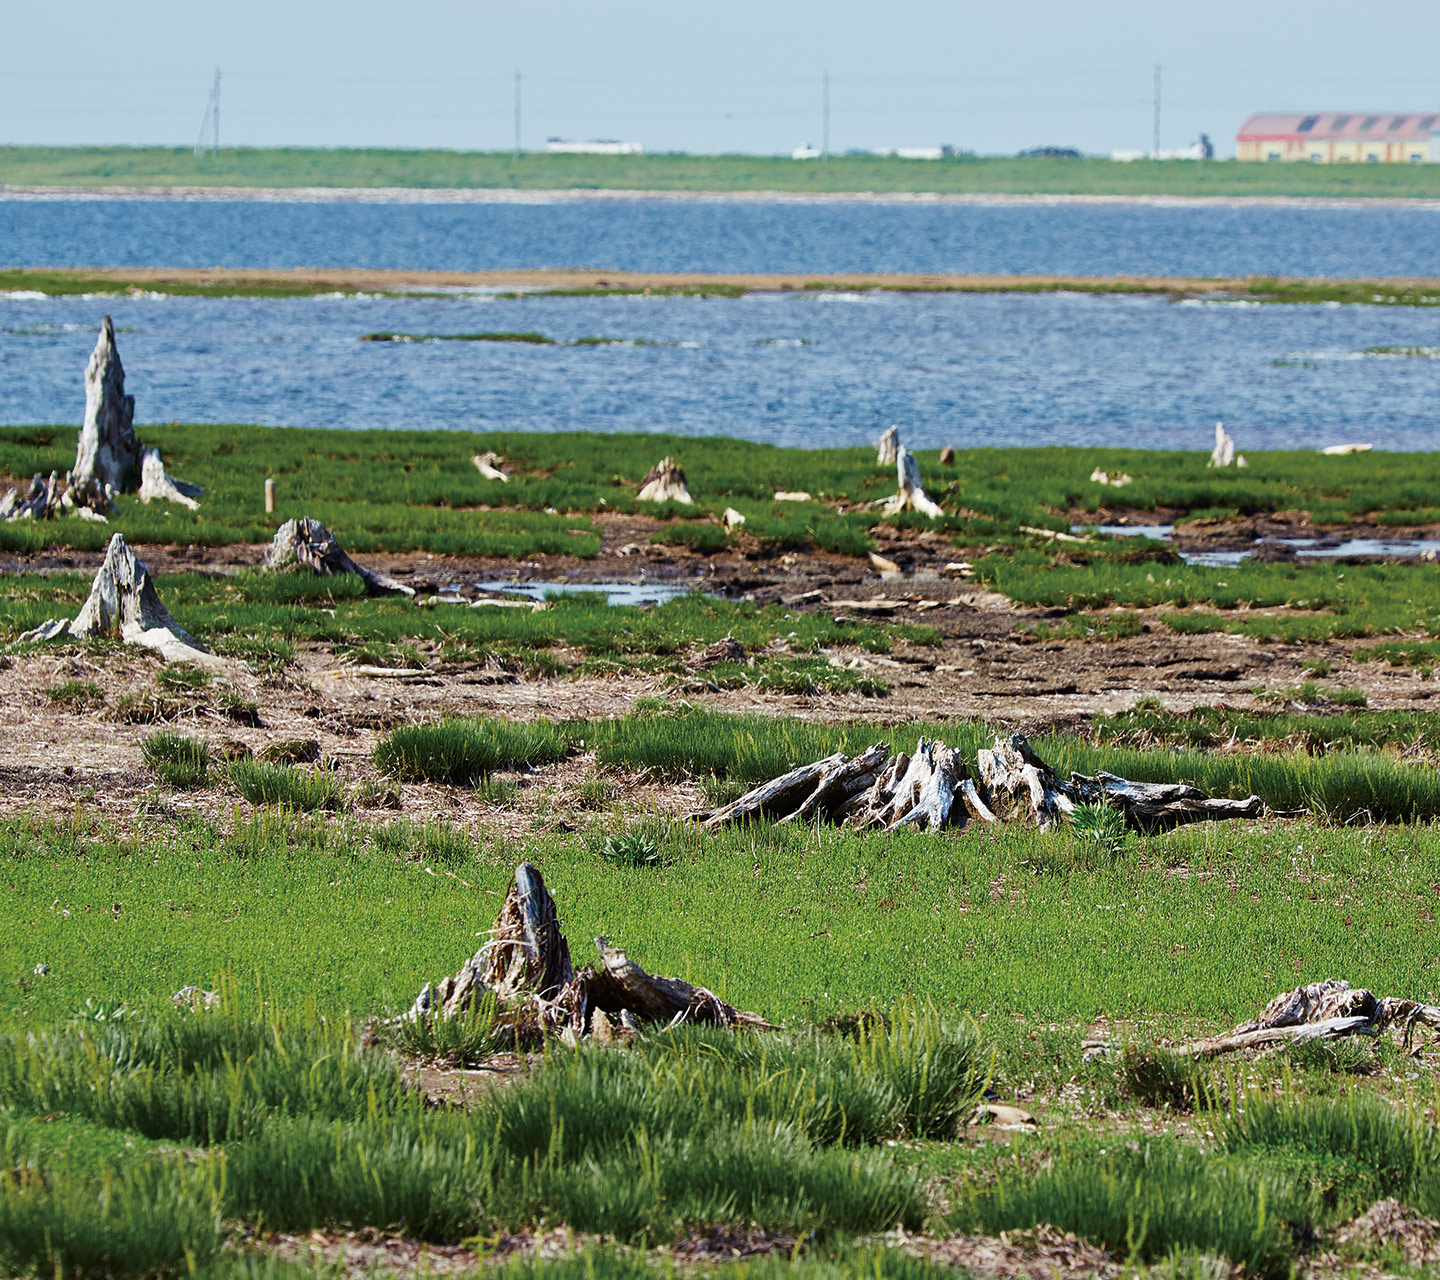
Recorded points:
(123, 604)
(526, 966)
(306, 544)
(108, 456)
(935, 788)
(665, 482)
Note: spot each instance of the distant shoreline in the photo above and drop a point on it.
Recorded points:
(582, 195)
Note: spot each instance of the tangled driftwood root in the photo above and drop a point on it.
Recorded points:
(665, 482)
(936, 788)
(526, 966)
(123, 605)
(307, 544)
(1324, 1010)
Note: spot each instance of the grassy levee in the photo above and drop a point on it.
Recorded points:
(403, 490)
(357, 167)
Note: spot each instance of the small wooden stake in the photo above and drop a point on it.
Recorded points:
(269, 497)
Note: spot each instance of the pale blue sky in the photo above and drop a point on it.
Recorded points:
(740, 75)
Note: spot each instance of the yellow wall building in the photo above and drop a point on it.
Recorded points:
(1358, 137)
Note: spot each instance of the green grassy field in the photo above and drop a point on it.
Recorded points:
(138, 1140)
(301, 167)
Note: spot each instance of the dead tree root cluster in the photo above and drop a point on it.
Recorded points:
(526, 967)
(935, 788)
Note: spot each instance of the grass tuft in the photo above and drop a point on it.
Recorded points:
(178, 760)
(285, 785)
(463, 752)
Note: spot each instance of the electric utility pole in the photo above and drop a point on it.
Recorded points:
(825, 116)
(517, 115)
(209, 139)
(1155, 150)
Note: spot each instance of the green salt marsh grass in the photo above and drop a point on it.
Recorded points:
(1302, 602)
(1151, 725)
(403, 490)
(261, 617)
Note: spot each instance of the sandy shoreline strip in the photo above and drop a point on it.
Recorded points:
(380, 280)
(507, 195)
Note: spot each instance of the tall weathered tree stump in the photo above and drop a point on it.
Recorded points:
(887, 447)
(108, 454)
(123, 604)
(911, 493)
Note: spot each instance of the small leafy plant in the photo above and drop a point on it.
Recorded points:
(1100, 827)
(632, 849)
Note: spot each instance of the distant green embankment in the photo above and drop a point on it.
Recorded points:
(317, 167)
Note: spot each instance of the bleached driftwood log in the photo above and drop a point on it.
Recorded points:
(488, 465)
(935, 788)
(1323, 1010)
(911, 494)
(887, 447)
(1223, 454)
(525, 965)
(154, 483)
(665, 482)
(308, 545)
(123, 604)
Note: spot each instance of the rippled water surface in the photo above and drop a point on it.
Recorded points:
(795, 369)
(1357, 240)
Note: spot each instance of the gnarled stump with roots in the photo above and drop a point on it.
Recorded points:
(525, 966)
(108, 456)
(307, 545)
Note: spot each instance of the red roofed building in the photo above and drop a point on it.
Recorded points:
(1328, 137)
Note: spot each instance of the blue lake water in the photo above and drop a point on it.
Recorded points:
(1356, 240)
(797, 369)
